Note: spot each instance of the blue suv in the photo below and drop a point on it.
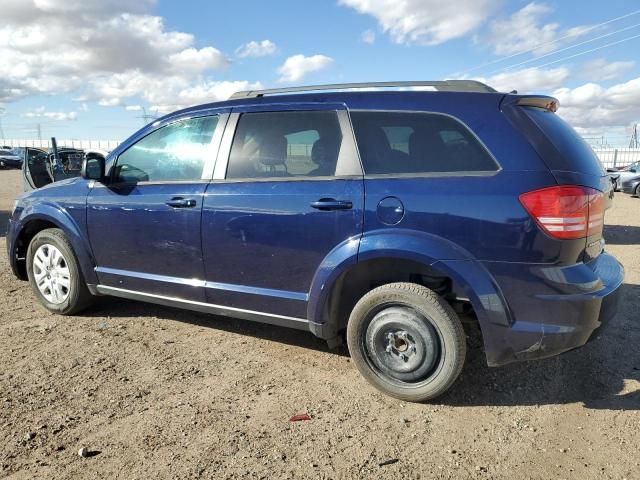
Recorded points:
(379, 216)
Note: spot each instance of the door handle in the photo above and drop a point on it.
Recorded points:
(331, 204)
(179, 202)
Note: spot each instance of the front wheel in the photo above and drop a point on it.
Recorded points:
(54, 273)
(406, 341)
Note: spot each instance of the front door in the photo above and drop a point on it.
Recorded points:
(144, 226)
(287, 191)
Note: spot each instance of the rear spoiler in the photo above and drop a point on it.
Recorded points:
(548, 103)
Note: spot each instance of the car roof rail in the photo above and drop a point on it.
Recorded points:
(440, 85)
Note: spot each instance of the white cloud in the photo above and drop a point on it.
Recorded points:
(171, 92)
(528, 80)
(296, 67)
(110, 102)
(592, 106)
(39, 11)
(41, 112)
(256, 49)
(368, 36)
(425, 22)
(523, 31)
(101, 50)
(601, 70)
(589, 108)
(193, 60)
(202, 92)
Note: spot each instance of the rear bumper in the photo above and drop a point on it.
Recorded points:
(557, 313)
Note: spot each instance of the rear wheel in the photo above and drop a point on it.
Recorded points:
(637, 191)
(54, 273)
(406, 341)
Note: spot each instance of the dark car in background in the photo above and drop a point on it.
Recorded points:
(375, 216)
(10, 157)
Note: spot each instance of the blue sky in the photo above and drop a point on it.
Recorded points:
(86, 68)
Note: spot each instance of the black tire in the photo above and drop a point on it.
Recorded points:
(78, 296)
(637, 193)
(408, 311)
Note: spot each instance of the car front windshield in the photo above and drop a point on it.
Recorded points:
(633, 166)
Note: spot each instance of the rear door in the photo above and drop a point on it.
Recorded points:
(144, 226)
(287, 191)
(426, 172)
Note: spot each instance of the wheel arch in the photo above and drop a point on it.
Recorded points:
(49, 216)
(397, 256)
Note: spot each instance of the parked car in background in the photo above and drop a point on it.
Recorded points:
(375, 216)
(10, 158)
(631, 185)
(618, 176)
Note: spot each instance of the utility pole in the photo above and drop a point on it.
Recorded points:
(2, 110)
(635, 141)
(147, 117)
(39, 132)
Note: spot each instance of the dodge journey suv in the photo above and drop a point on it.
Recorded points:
(374, 215)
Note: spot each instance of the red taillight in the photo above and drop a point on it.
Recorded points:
(566, 211)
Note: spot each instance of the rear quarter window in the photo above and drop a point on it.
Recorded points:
(416, 142)
(575, 155)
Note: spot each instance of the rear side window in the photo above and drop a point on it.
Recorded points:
(407, 142)
(285, 144)
(575, 154)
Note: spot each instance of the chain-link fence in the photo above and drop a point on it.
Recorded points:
(617, 157)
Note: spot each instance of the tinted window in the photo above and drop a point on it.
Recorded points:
(176, 152)
(575, 154)
(396, 142)
(285, 144)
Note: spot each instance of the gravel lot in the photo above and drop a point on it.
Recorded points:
(154, 392)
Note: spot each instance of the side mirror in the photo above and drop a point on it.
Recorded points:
(92, 168)
(633, 170)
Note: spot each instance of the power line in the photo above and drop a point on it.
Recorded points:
(551, 42)
(588, 51)
(565, 48)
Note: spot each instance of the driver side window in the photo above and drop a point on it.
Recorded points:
(176, 152)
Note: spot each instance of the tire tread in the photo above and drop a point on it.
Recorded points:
(451, 325)
(80, 297)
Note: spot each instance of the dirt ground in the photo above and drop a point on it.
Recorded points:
(154, 392)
